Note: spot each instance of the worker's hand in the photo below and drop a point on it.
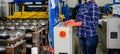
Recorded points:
(75, 24)
(70, 23)
(78, 24)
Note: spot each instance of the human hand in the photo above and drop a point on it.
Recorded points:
(78, 24)
(70, 23)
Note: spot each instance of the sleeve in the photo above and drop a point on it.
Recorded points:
(81, 18)
(78, 19)
(94, 14)
(78, 16)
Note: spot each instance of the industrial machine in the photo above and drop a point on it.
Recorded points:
(116, 1)
(116, 9)
(63, 39)
(16, 45)
(113, 33)
(19, 36)
(31, 17)
(14, 42)
(28, 10)
(113, 27)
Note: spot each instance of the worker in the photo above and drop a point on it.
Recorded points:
(86, 22)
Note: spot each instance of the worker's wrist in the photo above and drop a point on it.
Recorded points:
(78, 23)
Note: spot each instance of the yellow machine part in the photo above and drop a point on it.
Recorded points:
(26, 15)
(62, 17)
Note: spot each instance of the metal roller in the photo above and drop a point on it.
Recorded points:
(35, 38)
(2, 50)
(4, 34)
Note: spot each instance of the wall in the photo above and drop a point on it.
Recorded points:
(103, 2)
(72, 3)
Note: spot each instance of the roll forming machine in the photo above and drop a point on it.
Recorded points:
(19, 36)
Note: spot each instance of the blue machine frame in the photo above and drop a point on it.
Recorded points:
(116, 1)
(53, 17)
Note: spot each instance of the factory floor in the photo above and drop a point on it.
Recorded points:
(101, 48)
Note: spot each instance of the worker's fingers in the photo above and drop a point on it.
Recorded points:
(78, 23)
(66, 23)
(72, 24)
(69, 23)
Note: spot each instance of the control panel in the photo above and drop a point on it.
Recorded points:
(63, 39)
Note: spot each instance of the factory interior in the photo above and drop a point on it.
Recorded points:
(38, 27)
